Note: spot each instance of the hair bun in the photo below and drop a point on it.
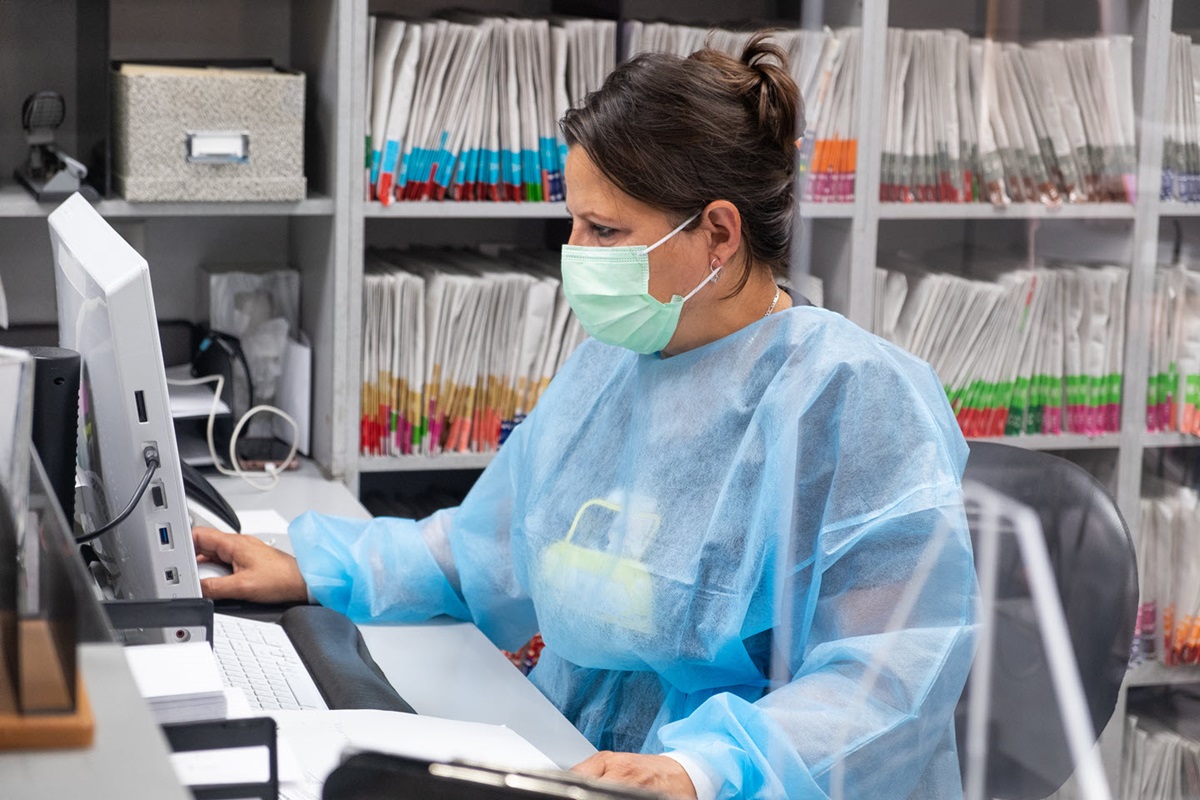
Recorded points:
(771, 91)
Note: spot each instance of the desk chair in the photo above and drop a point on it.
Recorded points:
(1092, 560)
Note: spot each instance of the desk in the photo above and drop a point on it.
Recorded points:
(443, 668)
(106, 769)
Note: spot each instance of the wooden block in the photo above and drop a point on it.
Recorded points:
(44, 683)
(50, 731)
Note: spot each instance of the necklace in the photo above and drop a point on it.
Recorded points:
(773, 302)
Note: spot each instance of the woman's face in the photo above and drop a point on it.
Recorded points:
(604, 216)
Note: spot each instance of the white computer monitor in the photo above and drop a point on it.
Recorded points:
(106, 314)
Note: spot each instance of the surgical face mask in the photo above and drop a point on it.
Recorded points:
(609, 290)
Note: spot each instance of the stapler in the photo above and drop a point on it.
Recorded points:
(49, 174)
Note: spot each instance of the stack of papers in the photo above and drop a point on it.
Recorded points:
(466, 107)
(1032, 351)
(1172, 397)
(1181, 134)
(1159, 763)
(180, 682)
(458, 347)
(1168, 623)
(978, 120)
(824, 64)
(1173, 393)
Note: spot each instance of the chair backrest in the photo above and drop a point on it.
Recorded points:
(1094, 566)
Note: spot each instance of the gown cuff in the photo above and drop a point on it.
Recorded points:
(704, 779)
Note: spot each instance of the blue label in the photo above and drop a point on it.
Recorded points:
(505, 166)
(529, 164)
(462, 168)
(473, 165)
(492, 175)
(391, 152)
(376, 157)
(402, 173)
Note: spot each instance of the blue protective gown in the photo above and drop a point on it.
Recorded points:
(671, 525)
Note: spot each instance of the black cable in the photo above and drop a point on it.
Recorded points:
(152, 465)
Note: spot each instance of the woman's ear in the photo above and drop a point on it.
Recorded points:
(723, 224)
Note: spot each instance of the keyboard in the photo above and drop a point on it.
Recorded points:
(258, 658)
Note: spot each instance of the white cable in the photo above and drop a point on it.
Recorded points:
(271, 470)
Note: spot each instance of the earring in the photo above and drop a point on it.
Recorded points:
(713, 266)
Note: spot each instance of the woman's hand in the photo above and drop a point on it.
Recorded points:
(260, 572)
(656, 773)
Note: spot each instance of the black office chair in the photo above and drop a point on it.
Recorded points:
(1093, 562)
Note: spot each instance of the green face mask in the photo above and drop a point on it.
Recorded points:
(609, 291)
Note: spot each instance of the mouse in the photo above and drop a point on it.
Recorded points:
(212, 569)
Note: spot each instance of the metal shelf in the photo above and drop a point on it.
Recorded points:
(1014, 211)
(1170, 439)
(465, 210)
(1175, 208)
(814, 210)
(1152, 673)
(424, 463)
(1066, 441)
(16, 202)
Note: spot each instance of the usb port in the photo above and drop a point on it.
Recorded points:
(164, 536)
(172, 575)
(139, 399)
(157, 495)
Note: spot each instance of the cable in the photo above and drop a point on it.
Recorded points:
(272, 470)
(150, 454)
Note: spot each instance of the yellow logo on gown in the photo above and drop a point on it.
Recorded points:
(615, 585)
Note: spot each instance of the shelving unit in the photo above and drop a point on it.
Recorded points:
(325, 236)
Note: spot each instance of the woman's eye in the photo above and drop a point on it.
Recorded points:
(603, 232)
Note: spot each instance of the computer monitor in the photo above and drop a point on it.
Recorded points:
(106, 314)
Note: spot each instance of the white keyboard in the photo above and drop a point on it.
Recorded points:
(259, 658)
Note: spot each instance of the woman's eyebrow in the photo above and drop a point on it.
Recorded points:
(592, 216)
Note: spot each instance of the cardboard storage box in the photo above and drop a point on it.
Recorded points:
(208, 134)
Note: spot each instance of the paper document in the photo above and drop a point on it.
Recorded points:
(180, 682)
(320, 738)
(262, 522)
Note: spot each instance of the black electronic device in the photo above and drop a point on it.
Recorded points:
(371, 776)
(55, 419)
(219, 353)
(49, 174)
(197, 488)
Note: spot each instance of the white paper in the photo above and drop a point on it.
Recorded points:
(294, 395)
(320, 738)
(262, 522)
(181, 670)
(223, 766)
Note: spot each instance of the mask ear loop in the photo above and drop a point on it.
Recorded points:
(681, 226)
(712, 278)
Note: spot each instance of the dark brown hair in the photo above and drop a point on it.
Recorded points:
(679, 133)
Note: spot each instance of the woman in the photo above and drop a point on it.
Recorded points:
(715, 479)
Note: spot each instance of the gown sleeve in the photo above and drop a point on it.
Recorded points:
(458, 562)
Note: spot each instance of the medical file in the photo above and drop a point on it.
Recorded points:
(466, 107)
(458, 346)
(1033, 350)
(971, 120)
(1173, 390)
(1181, 136)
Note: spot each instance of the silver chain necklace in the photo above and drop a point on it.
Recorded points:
(773, 302)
